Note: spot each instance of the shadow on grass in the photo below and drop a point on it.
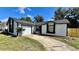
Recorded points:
(7, 34)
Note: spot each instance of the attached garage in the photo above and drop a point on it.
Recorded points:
(61, 29)
(27, 30)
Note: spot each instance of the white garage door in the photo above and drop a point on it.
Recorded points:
(60, 29)
(27, 30)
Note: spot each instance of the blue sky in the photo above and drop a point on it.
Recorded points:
(18, 12)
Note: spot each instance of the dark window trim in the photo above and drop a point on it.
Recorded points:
(17, 26)
(11, 25)
(53, 28)
(31, 29)
(67, 30)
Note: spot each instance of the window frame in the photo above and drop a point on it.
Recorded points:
(51, 25)
(11, 25)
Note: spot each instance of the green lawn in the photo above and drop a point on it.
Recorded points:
(9, 43)
(73, 41)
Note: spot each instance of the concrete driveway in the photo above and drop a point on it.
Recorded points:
(52, 44)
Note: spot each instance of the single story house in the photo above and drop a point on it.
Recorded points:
(58, 27)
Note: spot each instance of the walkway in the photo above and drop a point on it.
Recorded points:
(52, 44)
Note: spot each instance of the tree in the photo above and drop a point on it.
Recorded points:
(0, 21)
(73, 16)
(19, 30)
(28, 19)
(60, 13)
(38, 18)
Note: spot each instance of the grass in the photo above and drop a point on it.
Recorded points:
(72, 41)
(9, 43)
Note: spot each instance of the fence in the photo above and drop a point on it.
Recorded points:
(73, 32)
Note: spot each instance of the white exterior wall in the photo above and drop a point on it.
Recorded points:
(15, 26)
(44, 29)
(33, 29)
(27, 30)
(0, 27)
(3, 27)
(60, 29)
(8, 28)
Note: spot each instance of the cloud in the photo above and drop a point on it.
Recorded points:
(4, 20)
(29, 16)
(22, 9)
(29, 9)
(51, 20)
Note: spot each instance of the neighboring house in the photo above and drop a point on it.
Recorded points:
(58, 27)
(4, 26)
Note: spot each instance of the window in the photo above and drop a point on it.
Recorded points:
(51, 27)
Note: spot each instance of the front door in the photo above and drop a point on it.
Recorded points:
(38, 30)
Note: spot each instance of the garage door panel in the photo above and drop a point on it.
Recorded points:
(27, 30)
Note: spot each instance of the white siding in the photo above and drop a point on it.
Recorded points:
(27, 30)
(44, 29)
(0, 27)
(33, 29)
(3, 28)
(8, 28)
(60, 29)
(15, 26)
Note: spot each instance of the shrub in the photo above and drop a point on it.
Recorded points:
(19, 29)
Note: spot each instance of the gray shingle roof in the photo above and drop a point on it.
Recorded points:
(39, 23)
(24, 23)
(64, 21)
